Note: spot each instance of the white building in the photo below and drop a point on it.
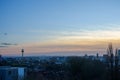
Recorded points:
(12, 73)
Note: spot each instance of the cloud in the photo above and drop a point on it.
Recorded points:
(3, 46)
(7, 44)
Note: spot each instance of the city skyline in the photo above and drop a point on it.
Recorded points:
(58, 27)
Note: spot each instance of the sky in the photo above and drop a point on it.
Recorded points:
(58, 27)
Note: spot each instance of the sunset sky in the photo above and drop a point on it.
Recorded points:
(58, 27)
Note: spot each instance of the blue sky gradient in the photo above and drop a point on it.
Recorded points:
(29, 21)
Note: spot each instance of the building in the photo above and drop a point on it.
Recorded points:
(12, 73)
(119, 56)
(119, 51)
(0, 57)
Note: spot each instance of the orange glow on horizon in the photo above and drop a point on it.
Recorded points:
(82, 45)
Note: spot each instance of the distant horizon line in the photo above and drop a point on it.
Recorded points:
(55, 55)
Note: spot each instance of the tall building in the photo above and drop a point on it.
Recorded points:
(97, 55)
(119, 56)
(0, 59)
(110, 61)
(119, 52)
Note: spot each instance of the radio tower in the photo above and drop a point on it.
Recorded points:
(22, 50)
